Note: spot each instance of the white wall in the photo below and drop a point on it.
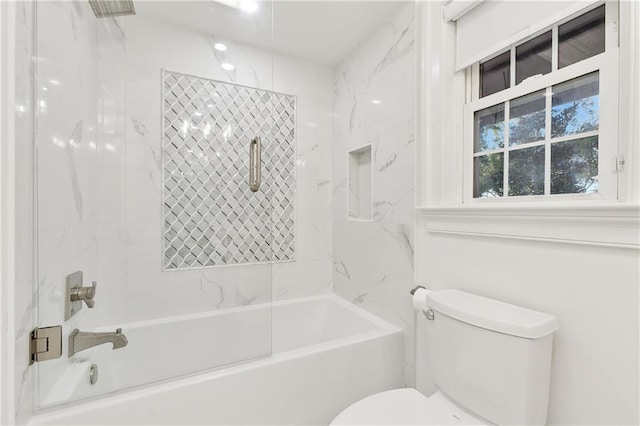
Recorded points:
(591, 288)
(373, 260)
(593, 291)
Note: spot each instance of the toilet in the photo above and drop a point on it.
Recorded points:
(490, 362)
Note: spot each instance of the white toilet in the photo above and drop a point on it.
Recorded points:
(490, 361)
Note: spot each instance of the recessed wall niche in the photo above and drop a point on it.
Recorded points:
(360, 187)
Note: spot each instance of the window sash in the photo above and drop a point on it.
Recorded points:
(473, 46)
(606, 64)
(611, 42)
(542, 82)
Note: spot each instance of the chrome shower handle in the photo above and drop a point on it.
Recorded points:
(255, 163)
(84, 293)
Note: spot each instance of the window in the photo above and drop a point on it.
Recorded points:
(541, 116)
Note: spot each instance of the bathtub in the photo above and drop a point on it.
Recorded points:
(326, 354)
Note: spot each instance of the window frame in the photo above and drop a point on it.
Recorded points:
(440, 157)
(605, 63)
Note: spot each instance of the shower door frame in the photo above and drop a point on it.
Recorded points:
(18, 301)
(36, 403)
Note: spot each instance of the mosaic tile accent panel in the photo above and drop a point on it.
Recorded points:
(210, 216)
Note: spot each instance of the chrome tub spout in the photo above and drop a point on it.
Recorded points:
(81, 340)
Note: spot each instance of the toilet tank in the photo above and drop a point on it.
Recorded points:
(492, 358)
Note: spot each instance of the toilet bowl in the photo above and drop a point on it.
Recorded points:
(490, 362)
(406, 407)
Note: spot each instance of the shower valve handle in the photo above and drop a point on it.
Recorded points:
(85, 293)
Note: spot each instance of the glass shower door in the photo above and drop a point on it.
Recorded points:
(157, 167)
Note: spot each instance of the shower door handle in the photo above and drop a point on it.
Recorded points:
(255, 163)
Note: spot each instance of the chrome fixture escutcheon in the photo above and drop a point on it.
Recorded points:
(76, 294)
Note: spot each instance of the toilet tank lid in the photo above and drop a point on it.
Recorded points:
(492, 314)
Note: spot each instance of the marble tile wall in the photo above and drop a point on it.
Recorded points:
(373, 103)
(152, 46)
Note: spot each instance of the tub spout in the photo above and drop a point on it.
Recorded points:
(81, 340)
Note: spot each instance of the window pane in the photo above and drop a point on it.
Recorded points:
(581, 38)
(489, 128)
(533, 57)
(575, 106)
(495, 74)
(526, 119)
(574, 166)
(526, 171)
(488, 175)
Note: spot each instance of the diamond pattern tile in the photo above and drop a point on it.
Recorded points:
(210, 215)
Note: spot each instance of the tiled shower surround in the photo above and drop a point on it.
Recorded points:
(210, 215)
(101, 183)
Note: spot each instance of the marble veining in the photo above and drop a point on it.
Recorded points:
(73, 141)
(404, 45)
(389, 162)
(138, 126)
(341, 268)
(141, 130)
(352, 115)
(204, 281)
(403, 235)
(359, 299)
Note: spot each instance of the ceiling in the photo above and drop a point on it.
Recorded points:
(322, 31)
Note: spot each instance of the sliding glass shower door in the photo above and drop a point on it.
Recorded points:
(161, 151)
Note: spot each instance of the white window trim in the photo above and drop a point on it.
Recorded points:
(439, 153)
(604, 225)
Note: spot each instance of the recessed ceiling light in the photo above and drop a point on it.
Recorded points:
(249, 5)
(227, 66)
(221, 47)
(376, 102)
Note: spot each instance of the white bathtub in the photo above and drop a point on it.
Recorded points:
(327, 354)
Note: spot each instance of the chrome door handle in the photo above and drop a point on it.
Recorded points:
(255, 163)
